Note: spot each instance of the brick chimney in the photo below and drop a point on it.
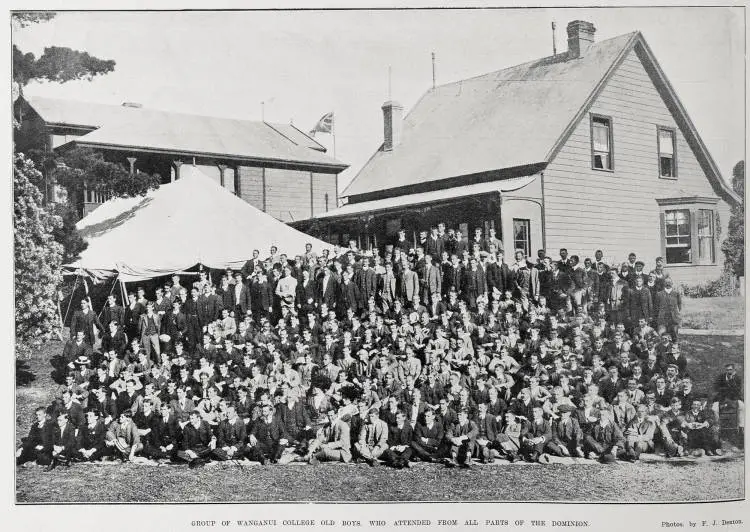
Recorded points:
(393, 113)
(580, 38)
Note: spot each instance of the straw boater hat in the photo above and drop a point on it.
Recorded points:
(82, 360)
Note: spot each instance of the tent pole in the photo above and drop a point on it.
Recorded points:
(124, 291)
(70, 301)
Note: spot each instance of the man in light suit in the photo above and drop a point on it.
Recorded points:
(409, 283)
(668, 308)
(433, 279)
(388, 285)
(332, 443)
(373, 438)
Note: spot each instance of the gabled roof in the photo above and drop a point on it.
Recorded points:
(121, 127)
(514, 118)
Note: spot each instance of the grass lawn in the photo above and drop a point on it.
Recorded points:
(642, 482)
(713, 312)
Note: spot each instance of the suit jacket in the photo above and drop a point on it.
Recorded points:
(92, 437)
(434, 435)
(409, 285)
(608, 436)
(469, 429)
(400, 436)
(487, 427)
(668, 307)
(116, 313)
(639, 304)
(567, 433)
(433, 282)
(143, 324)
(434, 247)
(374, 435)
(328, 291)
(336, 436)
(388, 288)
(196, 439)
(86, 323)
(474, 282)
(165, 433)
(231, 434)
(65, 438)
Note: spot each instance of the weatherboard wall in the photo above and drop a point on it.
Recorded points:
(587, 209)
(287, 195)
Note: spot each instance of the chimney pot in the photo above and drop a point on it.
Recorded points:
(580, 38)
(393, 113)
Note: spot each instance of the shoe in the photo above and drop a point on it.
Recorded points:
(407, 465)
(50, 467)
(467, 464)
(680, 450)
(314, 460)
(593, 456)
(450, 463)
(709, 452)
(544, 458)
(719, 452)
(263, 460)
(512, 458)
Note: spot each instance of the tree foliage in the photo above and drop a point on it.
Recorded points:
(38, 260)
(59, 64)
(84, 166)
(734, 245)
(26, 18)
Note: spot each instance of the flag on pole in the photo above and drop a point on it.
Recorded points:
(324, 125)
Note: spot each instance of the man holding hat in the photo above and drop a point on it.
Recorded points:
(567, 436)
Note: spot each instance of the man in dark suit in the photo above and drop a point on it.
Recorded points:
(487, 434)
(91, 438)
(231, 436)
(306, 294)
(462, 437)
(164, 441)
(428, 438)
(37, 446)
(639, 304)
(112, 312)
(249, 267)
(327, 289)
(149, 327)
(537, 437)
(435, 244)
(85, 320)
(197, 441)
(667, 309)
(399, 450)
(64, 442)
(240, 300)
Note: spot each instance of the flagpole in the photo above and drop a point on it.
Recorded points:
(333, 132)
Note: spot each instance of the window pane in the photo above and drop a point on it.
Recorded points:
(666, 142)
(666, 168)
(521, 235)
(678, 255)
(677, 236)
(601, 137)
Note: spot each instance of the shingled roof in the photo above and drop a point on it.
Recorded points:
(515, 118)
(124, 127)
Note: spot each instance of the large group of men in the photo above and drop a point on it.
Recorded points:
(437, 350)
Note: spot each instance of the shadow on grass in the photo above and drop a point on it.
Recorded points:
(24, 375)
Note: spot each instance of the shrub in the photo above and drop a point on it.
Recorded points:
(723, 286)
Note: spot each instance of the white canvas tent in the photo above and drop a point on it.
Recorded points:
(180, 225)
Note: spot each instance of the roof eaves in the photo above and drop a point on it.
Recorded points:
(81, 141)
(557, 146)
(714, 173)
